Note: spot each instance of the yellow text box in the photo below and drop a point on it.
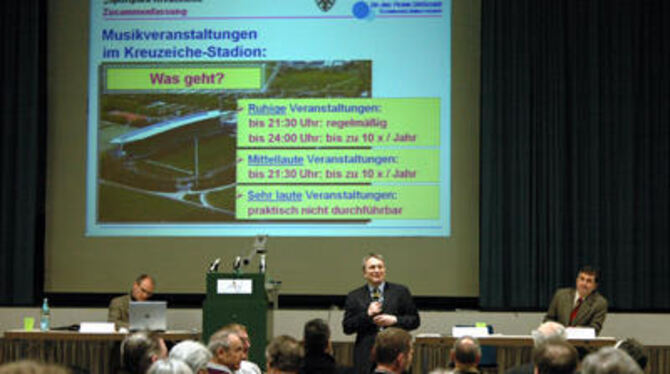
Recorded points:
(156, 79)
(353, 202)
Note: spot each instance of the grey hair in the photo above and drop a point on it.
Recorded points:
(549, 332)
(169, 366)
(373, 255)
(220, 339)
(610, 360)
(194, 354)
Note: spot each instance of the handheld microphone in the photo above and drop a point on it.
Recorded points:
(214, 266)
(376, 295)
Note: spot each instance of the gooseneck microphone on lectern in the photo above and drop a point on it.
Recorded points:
(237, 263)
(259, 248)
(214, 266)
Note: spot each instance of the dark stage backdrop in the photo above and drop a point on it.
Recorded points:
(22, 150)
(574, 150)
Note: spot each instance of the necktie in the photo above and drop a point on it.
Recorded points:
(575, 310)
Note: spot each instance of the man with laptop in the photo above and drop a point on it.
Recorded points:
(119, 307)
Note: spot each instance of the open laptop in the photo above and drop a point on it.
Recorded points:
(148, 315)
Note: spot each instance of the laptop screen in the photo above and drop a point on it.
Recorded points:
(148, 315)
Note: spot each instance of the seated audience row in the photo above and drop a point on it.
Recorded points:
(228, 350)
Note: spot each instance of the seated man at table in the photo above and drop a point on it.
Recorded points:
(140, 350)
(466, 355)
(580, 306)
(142, 290)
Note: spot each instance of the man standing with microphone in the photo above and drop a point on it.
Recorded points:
(375, 306)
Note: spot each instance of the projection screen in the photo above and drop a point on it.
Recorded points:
(160, 161)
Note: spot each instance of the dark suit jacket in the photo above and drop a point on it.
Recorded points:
(319, 363)
(591, 313)
(397, 301)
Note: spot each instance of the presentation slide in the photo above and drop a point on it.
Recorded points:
(265, 117)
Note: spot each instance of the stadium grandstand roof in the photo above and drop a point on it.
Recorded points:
(161, 127)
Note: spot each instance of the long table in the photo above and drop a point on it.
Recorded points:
(95, 353)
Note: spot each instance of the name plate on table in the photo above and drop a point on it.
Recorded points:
(97, 327)
(581, 332)
(234, 286)
(475, 332)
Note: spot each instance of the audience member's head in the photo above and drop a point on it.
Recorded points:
(226, 348)
(316, 336)
(393, 350)
(143, 287)
(140, 350)
(466, 353)
(547, 332)
(283, 355)
(169, 366)
(635, 350)
(241, 331)
(31, 367)
(610, 360)
(555, 357)
(193, 353)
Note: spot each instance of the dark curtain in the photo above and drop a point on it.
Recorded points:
(22, 116)
(575, 150)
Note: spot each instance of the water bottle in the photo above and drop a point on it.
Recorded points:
(45, 316)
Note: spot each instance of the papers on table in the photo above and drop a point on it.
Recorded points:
(97, 327)
(477, 332)
(581, 332)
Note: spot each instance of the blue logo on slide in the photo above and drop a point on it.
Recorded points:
(361, 10)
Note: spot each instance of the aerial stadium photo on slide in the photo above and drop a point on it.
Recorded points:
(171, 155)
